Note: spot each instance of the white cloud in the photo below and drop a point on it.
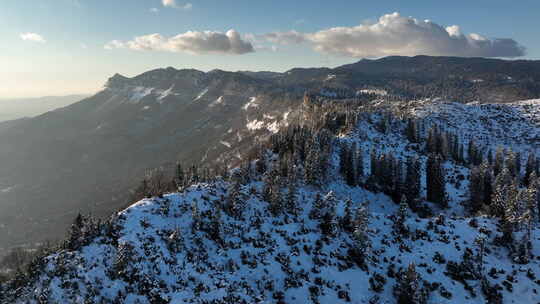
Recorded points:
(154, 10)
(115, 44)
(394, 34)
(193, 42)
(170, 3)
(32, 37)
(174, 4)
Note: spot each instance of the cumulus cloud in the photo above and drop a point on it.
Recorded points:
(174, 4)
(193, 42)
(394, 34)
(154, 10)
(32, 37)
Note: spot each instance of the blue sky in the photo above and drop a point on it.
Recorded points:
(56, 47)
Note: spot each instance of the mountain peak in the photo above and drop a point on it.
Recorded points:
(116, 80)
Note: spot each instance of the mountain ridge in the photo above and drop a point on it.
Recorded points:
(185, 115)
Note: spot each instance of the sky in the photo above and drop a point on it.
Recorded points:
(60, 47)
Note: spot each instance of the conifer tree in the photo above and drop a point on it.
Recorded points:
(235, 202)
(347, 218)
(359, 162)
(196, 217)
(291, 199)
(398, 183)
(312, 168)
(413, 176)
(316, 208)
(530, 167)
(407, 289)
(481, 242)
(347, 164)
(76, 233)
(488, 183)
(329, 221)
(360, 232)
(435, 180)
(399, 220)
(411, 131)
(476, 190)
(511, 212)
(498, 164)
(500, 193)
(511, 163)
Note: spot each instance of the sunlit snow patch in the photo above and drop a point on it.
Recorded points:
(251, 103)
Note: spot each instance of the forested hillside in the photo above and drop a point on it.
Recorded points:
(356, 201)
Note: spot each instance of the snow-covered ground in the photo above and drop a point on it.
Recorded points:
(263, 258)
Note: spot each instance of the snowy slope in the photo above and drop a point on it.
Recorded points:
(515, 125)
(283, 254)
(153, 254)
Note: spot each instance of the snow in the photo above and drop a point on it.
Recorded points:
(512, 125)
(201, 94)
(165, 93)
(273, 127)
(217, 102)
(330, 77)
(378, 92)
(138, 93)
(255, 125)
(281, 250)
(226, 144)
(251, 103)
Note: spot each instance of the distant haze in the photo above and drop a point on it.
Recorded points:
(11, 109)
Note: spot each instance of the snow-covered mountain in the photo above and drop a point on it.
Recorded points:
(86, 157)
(288, 226)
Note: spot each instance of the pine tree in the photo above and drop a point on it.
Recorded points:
(399, 220)
(410, 131)
(488, 183)
(518, 164)
(413, 176)
(235, 203)
(511, 164)
(398, 182)
(196, 217)
(476, 190)
(216, 232)
(360, 232)
(347, 219)
(435, 180)
(291, 199)
(407, 289)
(500, 193)
(312, 167)
(76, 233)
(373, 168)
(276, 202)
(530, 167)
(329, 222)
(316, 208)
(511, 212)
(498, 164)
(481, 242)
(359, 162)
(347, 164)
(490, 157)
